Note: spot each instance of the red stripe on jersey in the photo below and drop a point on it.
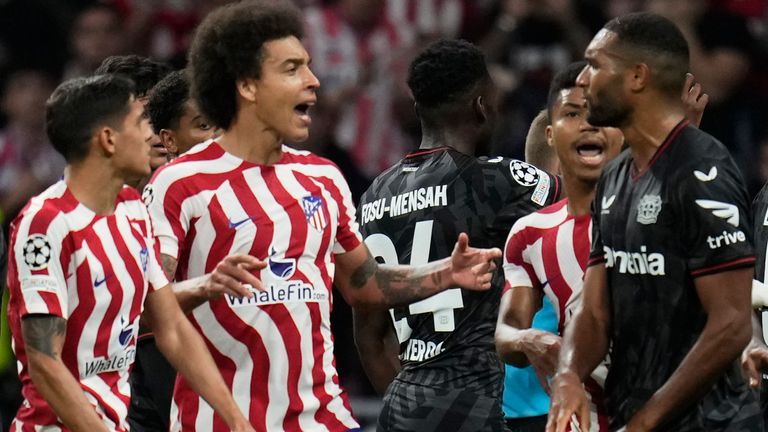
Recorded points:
(322, 415)
(280, 315)
(108, 411)
(313, 189)
(222, 242)
(114, 285)
(348, 239)
(729, 265)
(134, 270)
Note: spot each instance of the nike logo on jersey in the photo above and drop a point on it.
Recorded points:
(99, 282)
(706, 177)
(726, 211)
(236, 223)
(607, 202)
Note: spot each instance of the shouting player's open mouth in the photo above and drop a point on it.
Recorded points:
(302, 110)
(591, 152)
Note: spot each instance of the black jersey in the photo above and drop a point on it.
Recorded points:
(412, 214)
(685, 216)
(760, 224)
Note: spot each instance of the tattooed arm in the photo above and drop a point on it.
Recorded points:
(43, 341)
(365, 283)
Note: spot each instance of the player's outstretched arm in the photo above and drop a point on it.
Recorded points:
(364, 283)
(43, 342)
(584, 347)
(726, 333)
(185, 350)
(520, 345)
(231, 277)
(378, 347)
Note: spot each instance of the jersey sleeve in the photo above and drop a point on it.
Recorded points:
(38, 265)
(529, 189)
(155, 274)
(518, 267)
(712, 203)
(597, 252)
(348, 235)
(163, 199)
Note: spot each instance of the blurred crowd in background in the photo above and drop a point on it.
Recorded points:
(361, 49)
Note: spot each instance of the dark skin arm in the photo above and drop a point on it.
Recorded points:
(365, 283)
(378, 347)
(520, 345)
(726, 333)
(585, 346)
(754, 359)
(43, 341)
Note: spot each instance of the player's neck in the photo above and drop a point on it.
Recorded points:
(94, 184)
(251, 143)
(649, 128)
(580, 194)
(432, 138)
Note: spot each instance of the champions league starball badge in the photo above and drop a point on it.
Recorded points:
(37, 252)
(524, 173)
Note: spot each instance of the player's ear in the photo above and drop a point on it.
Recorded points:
(639, 77)
(168, 138)
(478, 106)
(247, 89)
(105, 140)
(548, 134)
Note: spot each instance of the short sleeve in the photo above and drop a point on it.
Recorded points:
(597, 251)
(714, 222)
(37, 263)
(531, 189)
(348, 235)
(170, 223)
(518, 268)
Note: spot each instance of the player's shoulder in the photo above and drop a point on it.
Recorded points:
(547, 217)
(131, 201)
(693, 146)
(296, 156)
(44, 209)
(189, 163)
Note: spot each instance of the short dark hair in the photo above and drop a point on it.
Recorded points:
(538, 152)
(444, 74)
(228, 46)
(144, 72)
(565, 79)
(80, 105)
(167, 99)
(656, 41)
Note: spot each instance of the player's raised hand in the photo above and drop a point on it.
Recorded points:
(472, 268)
(694, 98)
(568, 400)
(234, 276)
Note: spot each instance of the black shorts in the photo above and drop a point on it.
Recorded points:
(409, 407)
(152, 381)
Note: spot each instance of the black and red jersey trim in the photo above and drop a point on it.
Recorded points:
(728, 265)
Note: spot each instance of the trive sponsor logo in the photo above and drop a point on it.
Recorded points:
(117, 362)
(281, 292)
(417, 199)
(635, 262)
(726, 239)
(418, 350)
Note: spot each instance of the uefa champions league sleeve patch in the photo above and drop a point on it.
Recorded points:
(37, 251)
(148, 195)
(524, 173)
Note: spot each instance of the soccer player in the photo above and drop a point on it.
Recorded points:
(84, 267)
(247, 192)
(448, 372)
(546, 252)
(175, 116)
(669, 273)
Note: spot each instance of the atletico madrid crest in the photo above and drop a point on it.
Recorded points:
(313, 210)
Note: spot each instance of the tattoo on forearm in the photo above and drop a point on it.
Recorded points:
(361, 274)
(169, 266)
(399, 286)
(40, 331)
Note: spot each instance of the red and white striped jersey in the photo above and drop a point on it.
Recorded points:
(548, 250)
(95, 271)
(367, 127)
(275, 351)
